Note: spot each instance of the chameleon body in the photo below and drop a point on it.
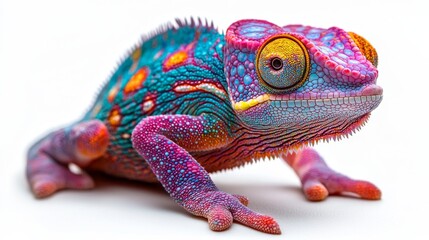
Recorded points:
(189, 100)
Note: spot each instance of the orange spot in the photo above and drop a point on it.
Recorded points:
(137, 80)
(114, 118)
(176, 59)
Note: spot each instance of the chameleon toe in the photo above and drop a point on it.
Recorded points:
(255, 220)
(364, 189)
(315, 191)
(219, 219)
(44, 187)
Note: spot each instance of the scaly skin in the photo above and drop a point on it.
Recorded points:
(188, 101)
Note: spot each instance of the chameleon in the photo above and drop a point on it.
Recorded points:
(188, 100)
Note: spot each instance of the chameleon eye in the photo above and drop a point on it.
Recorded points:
(276, 63)
(282, 63)
(366, 48)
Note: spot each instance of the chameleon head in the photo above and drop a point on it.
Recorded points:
(323, 80)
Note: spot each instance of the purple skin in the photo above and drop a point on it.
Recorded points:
(223, 100)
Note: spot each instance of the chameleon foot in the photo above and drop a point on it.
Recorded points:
(48, 160)
(221, 209)
(54, 177)
(319, 181)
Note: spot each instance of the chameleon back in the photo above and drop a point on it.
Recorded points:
(175, 71)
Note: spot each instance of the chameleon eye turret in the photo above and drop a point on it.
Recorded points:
(282, 63)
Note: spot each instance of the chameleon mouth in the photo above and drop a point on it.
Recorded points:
(370, 94)
(325, 101)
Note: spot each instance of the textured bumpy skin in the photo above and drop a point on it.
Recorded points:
(188, 101)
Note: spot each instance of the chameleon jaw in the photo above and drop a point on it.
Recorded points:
(284, 102)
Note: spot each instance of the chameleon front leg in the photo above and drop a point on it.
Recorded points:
(165, 142)
(319, 181)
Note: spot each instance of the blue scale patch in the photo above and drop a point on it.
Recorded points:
(325, 50)
(328, 37)
(316, 30)
(313, 77)
(241, 57)
(240, 70)
(254, 35)
(343, 56)
(247, 80)
(313, 35)
(348, 52)
(240, 88)
(236, 82)
(339, 61)
(233, 71)
(339, 45)
(352, 61)
(252, 29)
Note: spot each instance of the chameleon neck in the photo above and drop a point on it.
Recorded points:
(251, 144)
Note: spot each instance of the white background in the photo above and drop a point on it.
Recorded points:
(54, 55)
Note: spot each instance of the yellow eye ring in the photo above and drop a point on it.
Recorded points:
(289, 74)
